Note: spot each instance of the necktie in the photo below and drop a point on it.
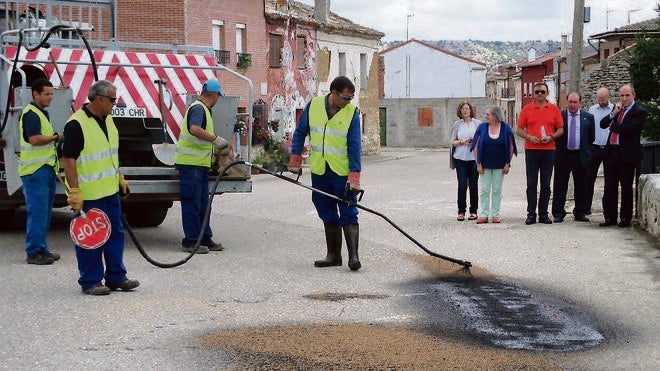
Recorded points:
(572, 137)
(614, 138)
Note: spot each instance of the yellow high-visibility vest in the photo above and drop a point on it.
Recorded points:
(329, 137)
(98, 163)
(32, 158)
(191, 150)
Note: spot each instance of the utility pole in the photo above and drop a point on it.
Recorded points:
(576, 48)
(408, 21)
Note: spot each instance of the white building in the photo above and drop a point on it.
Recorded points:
(415, 69)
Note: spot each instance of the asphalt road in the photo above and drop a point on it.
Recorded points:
(582, 295)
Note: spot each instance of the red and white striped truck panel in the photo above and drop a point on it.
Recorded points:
(135, 84)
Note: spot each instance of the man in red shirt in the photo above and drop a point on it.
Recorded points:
(539, 123)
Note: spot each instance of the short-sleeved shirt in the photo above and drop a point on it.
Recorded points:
(74, 141)
(532, 117)
(32, 123)
(196, 117)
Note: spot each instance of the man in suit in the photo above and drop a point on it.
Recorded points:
(572, 155)
(623, 151)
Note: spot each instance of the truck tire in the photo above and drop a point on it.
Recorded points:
(146, 214)
(7, 220)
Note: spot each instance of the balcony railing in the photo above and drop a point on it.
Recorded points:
(222, 57)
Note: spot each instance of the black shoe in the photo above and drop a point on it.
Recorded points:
(624, 223)
(208, 242)
(40, 259)
(127, 285)
(97, 290)
(607, 223)
(53, 255)
(581, 219)
(530, 220)
(558, 220)
(545, 220)
(588, 212)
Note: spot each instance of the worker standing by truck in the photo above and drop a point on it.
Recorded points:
(91, 165)
(193, 158)
(37, 166)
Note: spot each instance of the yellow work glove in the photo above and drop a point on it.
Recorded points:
(124, 190)
(75, 199)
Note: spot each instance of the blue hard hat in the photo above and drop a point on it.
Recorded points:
(212, 85)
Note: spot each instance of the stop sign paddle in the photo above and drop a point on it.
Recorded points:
(91, 229)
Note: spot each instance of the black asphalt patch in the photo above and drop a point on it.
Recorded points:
(514, 318)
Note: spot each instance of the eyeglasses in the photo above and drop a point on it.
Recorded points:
(540, 91)
(112, 99)
(346, 98)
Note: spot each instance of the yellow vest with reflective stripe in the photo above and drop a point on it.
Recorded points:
(329, 137)
(191, 150)
(32, 158)
(98, 163)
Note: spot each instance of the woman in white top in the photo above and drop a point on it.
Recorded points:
(463, 159)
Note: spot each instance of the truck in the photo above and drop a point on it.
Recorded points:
(154, 89)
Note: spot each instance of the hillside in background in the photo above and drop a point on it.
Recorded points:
(492, 53)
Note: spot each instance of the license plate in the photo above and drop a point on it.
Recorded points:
(137, 112)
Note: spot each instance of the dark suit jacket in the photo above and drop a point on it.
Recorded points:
(630, 131)
(587, 136)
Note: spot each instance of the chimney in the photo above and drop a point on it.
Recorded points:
(322, 10)
(531, 54)
(564, 43)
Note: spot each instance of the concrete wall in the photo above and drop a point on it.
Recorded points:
(648, 203)
(424, 122)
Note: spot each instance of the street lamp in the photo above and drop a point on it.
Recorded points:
(408, 16)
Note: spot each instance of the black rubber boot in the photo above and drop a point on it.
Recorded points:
(352, 235)
(333, 243)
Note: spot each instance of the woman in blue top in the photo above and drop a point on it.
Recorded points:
(494, 145)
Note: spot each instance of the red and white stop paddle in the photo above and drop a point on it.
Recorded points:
(91, 229)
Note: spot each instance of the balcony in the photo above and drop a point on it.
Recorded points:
(222, 57)
(243, 60)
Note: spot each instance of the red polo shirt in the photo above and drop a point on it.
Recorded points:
(533, 117)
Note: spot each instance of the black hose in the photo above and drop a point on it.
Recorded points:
(465, 264)
(207, 214)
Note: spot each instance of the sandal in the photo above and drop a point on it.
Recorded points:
(472, 216)
(460, 217)
(482, 220)
(496, 219)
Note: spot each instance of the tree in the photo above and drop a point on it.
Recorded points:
(645, 77)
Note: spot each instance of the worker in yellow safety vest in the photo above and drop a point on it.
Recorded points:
(333, 126)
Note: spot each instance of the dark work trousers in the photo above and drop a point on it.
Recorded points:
(617, 173)
(570, 166)
(538, 162)
(597, 157)
(468, 177)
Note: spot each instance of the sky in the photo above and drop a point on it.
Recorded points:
(488, 20)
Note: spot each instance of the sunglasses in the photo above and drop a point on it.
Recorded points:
(346, 98)
(540, 91)
(112, 99)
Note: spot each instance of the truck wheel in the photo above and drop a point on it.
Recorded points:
(146, 214)
(7, 217)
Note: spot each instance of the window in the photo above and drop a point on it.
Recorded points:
(301, 47)
(222, 56)
(275, 50)
(342, 64)
(363, 71)
(241, 42)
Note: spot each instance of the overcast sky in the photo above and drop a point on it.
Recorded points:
(503, 20)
